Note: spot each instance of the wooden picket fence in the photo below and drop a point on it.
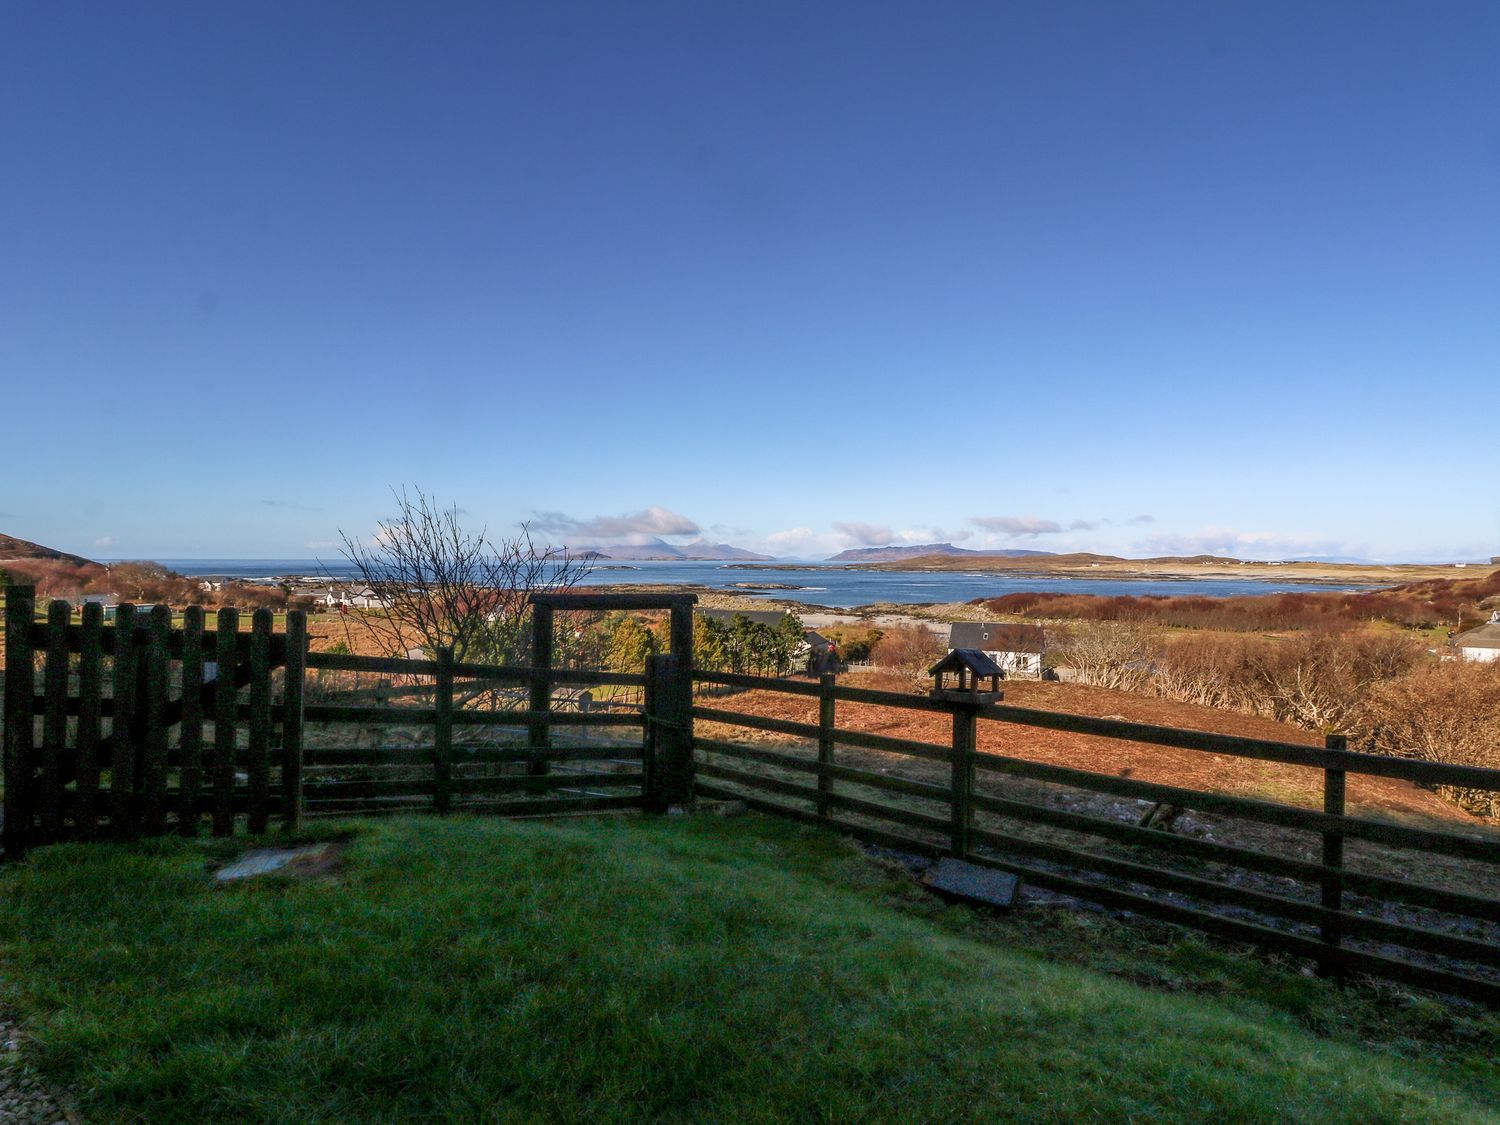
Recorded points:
(143, 727)
(1337, 918)
(95, 752)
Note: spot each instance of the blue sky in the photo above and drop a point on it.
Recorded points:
(1134, 277)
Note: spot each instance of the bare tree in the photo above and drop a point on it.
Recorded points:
(1112, 654)
(438, 584)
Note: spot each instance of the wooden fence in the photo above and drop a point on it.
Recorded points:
(1315, 905)
(141, 727)
(145, 727)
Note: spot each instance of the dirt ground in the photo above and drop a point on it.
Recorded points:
(1372, 797)
(1297, 785)
(1375, 798)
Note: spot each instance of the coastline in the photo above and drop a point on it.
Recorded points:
(1175, 570)
(923, 589)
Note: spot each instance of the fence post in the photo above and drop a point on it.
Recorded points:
(1334, 789)
(123, 727)
(54, 717)
(677, 705)
(965, 741)
(190, 737)
(258, 746)
(650, 704)
(669, 734)
(226, 658)
(293, 688)
(90, 715)
(539, 734)
(680, 637)
(826, 724)
(20, 686)
(153, 708)
(442, 733)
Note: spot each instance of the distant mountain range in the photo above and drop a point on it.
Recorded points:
(658, 550)
(900, 554)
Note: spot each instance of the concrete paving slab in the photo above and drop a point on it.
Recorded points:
(309, 859)
(969, 882)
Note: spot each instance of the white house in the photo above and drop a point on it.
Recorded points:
(1017, 649)
(1481, 644)
(349, 598)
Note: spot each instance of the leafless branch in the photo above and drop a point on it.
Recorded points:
(439, 584)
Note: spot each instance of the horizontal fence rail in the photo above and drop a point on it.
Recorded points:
(965, 803)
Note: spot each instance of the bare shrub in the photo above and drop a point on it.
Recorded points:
(1416, 605)
(1112, 654)
(1211, 671)
(910, 649)
(1320, 681)
(854, 642)
(1448, 712)
(53, 578)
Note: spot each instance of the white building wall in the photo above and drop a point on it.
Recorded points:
(1017, 663)
(1479, 655)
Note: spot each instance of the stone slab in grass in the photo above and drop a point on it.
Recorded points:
(968, 882)
(305, 861)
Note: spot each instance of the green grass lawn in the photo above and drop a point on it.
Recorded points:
(678, 970)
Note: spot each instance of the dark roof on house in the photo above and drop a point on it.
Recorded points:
(972, 658)
(816, 639)
(989, 637)
(1486, 636)
(771, 617)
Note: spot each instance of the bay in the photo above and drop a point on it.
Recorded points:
(830, 585)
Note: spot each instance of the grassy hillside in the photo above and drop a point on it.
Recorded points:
(623, 970)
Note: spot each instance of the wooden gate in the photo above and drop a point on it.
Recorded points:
(149, 723)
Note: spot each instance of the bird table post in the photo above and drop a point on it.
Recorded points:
(966, 679)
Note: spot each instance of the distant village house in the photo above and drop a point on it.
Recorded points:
(1017, 649)
(348, 597)
(1482, 644)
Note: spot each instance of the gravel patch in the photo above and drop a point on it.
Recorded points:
(23, 1098)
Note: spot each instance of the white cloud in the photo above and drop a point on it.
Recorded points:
(632, 527)
(803, 543)
(1017, 526)
(105, 541)
(320, 544)
(1245, 544)
(865, 534)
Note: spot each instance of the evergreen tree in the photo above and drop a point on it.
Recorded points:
(711, 645)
